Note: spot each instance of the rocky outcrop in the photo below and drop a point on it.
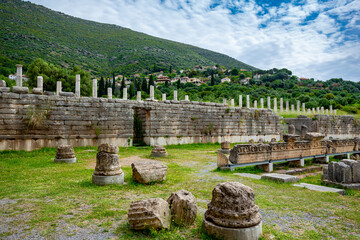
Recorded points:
(183, 207)
(151, 213)
(148, 171)
(65, 153)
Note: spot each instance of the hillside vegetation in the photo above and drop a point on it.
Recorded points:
(29, 31)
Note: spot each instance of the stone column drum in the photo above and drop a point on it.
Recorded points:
(108, 169)
(65, 154)
(232, 213)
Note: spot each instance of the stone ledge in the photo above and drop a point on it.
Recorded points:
(108, 180)
(320, 188)
(284, 178)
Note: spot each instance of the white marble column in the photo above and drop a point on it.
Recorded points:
(331, 109)
(109, 93)
(224, 101)
(261, 102)
(175, 95)
(58, 87)
(326, 111)
(255, 104)
(287, 106)
(275, 104)
(19, 75)
(268, 103)
(322, 110)
(138, 96)
(298, 106)
(125, 93)
(292, 108)
(303, 107)
(186, 97)
(232, 102)
(247, 101)
(163, 97)
(152, 95)
(317, 110)
(281, 105)
(94, 88)
(77, 85)
(40, 83)
(240, 101)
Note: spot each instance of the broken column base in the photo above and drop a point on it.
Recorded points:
(269, 167)
(67, 160)
(219, 232)
(108, 180)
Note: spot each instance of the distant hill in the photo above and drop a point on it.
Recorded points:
(29, 31)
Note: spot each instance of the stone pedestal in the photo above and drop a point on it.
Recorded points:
(77, 85)
(108, 169)
(65, 154)
(124, 93)
(19, 75)
(232, 213)
(94, 88)
(138, 96)
(240, 101)
(109, 93)
(247, 101)
(158, 151)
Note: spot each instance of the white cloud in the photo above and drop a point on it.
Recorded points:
(318, 49)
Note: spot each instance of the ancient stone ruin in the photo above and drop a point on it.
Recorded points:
(345, 173)
(232, 213)
(148, 171)
(158, 151)
(223, 154)
(151, 213)
(183, 207)
(225, 147)
(108, 169)
(65, 154)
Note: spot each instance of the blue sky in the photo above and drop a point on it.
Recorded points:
(313, 38)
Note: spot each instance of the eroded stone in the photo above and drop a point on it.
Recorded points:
(158, 151)
(65, 153)
(108, 148)
(183, 207)
(107, 164)
(148, 171)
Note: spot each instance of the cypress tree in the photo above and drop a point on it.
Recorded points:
(113, 84)
(151, 82)
(101, 87)
(178, 84)
(212, 83)
(122, 86)
(144, 86)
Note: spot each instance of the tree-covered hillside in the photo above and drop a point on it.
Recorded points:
(29, 31)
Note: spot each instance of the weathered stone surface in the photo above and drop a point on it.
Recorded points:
(249, 175)
(225, 233)
(108, 148)
(251, 141)
(48, 93)
(356, 172)
(67, 94)
(222, 159)
(261, 140)
(22, 90)
(304, 130)
(290, 137)
(149, 214)
(291, 129)
(232, 206)
(108, 180)
(225, 145)
(314, 136)
(331, 172)
(36, 91)
(183, 207)
(320, 188)
(273, 140)
(107, 164)
(280, 177)
(148, 171)
(2, 83)
(158, 151)
(342, 173)
(65, 153)
(4, 89)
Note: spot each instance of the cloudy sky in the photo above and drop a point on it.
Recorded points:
(313, 38)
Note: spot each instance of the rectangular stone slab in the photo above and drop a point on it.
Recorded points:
(249, 175)
(280, 177)
(320, 188)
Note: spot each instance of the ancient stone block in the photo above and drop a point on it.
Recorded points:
(149, 214)
(65, 154)
(158, 151)
(222, 159)
(148, 171)
(67, 94)
(314, 136)
(331, 171)
(232, 205)
(291, 129)
(342, 173)
(37, 91)
(225, 145)
(2, 83)
(108, 148)
(183, 207)
(304, 130)
(21, 90)
(4, 89)
(107, 164)
(290, 137)
(356, 172)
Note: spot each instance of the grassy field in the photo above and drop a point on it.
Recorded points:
(310, 115)
(43, 200)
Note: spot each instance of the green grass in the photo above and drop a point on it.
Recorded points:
(46, 195)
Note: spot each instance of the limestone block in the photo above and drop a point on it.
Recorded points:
(108, 148)
(36, 91)
(65, 153)
(107, 164)
(67, 94)
(158, 151)
(290, 137)
(280, 177)
(49, 93)
(225, 145)
(356, 172)
(22, 90)
(291, 129)
(314, 136)
(151, 213)
(4, 89)
(343, 173)
(148, 171)
(232, 206)
(2, 83)
(183, 207)
(222, 159)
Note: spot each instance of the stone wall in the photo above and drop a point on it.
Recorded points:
(341, 127)
(29, 121)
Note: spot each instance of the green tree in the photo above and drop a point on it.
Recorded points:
(101, 90)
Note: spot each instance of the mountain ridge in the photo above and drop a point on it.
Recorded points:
(31, 31)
